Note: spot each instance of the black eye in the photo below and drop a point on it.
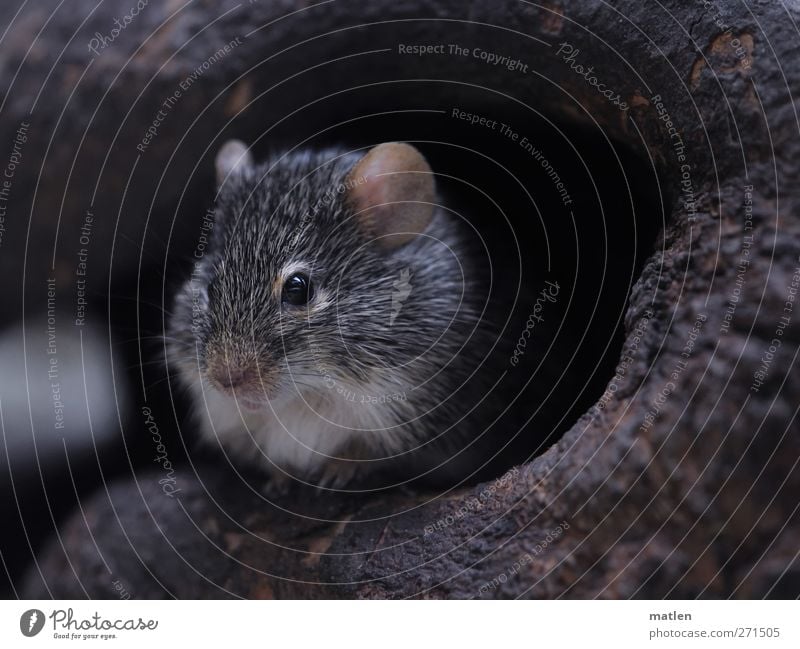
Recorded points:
(297, 290)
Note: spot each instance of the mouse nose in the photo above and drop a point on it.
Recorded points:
(228, 376)
(229, 367)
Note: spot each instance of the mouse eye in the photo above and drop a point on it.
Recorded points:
(297, 290)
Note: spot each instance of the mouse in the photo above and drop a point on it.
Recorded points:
(337, 330)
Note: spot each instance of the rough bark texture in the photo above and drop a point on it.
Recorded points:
(700, 502)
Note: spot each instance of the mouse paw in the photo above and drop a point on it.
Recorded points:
(339, 474)
(278, 486)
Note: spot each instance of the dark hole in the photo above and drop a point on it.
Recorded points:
(583, 211)
(594, 247)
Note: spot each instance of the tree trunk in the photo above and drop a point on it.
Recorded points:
(681, 481)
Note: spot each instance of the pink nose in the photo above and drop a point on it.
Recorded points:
(230, 368)
(230, 377)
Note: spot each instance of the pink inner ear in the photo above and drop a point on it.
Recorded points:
(395, 200)
(375, 191)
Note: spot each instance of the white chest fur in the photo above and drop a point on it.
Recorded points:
(298, 433)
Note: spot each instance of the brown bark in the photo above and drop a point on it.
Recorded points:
(702, 502)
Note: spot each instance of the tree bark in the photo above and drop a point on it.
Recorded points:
(698, 500)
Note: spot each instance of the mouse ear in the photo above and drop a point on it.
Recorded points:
(233, 158)
(393, 193)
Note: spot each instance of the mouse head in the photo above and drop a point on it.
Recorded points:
(319, 273)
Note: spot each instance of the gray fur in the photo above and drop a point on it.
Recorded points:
(428, 343)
